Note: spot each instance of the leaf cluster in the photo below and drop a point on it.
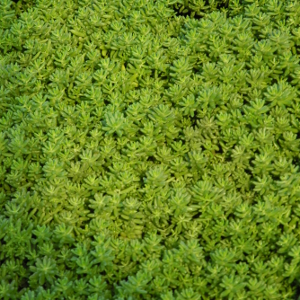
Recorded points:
(149, 155)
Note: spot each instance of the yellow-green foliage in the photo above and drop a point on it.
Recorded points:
(149, 149)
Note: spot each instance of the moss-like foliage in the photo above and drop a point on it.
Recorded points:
(149, 149)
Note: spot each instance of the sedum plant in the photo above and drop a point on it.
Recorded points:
(149, 149)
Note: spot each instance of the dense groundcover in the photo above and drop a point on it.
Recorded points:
(149, 149)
